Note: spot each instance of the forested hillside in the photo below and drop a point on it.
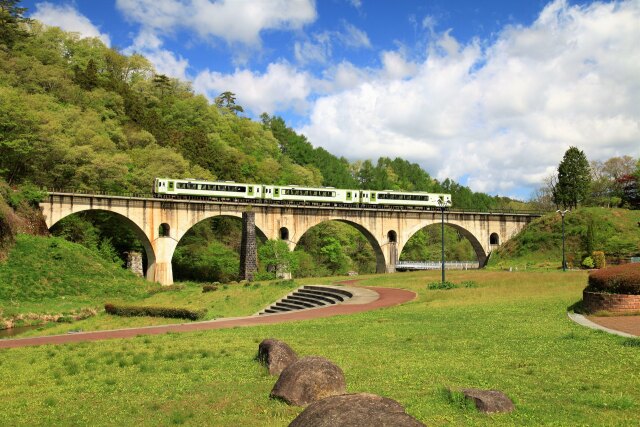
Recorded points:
(77, 115)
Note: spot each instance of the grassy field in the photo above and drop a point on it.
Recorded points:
(511, 333)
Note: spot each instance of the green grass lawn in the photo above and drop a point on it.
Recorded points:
(510, 333)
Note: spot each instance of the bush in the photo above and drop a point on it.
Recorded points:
(209, 288)
(621, 279)
(587, 262)
(441, 285)
(172, 312)
(598, 259)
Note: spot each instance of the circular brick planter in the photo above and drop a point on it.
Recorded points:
(614, 303)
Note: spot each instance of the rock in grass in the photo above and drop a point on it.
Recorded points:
(489, 401)
(309, 379)
(355, 410)
(275, 355)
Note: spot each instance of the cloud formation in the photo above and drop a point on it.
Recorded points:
(69, 19)
(280, 88)
(232, 21)
(500, 115)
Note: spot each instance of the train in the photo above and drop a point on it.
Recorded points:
(293, 194)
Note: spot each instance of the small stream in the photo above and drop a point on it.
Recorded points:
(10, 333)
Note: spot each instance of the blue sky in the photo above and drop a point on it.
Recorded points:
(488, 93)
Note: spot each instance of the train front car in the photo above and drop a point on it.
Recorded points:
(390, 198)
(222, 190)
(329, 196)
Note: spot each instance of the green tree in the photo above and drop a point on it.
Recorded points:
(276, 258)
(227, 100)
(574, 179)
(11, 23)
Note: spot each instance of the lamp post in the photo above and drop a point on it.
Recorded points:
(562, 214)
(442, 204)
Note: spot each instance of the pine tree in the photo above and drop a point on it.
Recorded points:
(574, 179)
(11, 20)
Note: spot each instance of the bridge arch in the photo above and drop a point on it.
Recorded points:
(475, 241)
(137, 230)
(381, 263)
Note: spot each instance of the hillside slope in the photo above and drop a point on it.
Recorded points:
(616, 232)
(51, 275)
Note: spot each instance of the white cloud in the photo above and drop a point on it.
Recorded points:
(500, 115)
(353, 37)
(148, 44)
(232, 21)
(279, 88)
(68, 18)
(320, 48)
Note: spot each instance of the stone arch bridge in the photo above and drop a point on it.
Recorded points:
(161, 223)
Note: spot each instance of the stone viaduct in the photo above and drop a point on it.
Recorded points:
(161, 223)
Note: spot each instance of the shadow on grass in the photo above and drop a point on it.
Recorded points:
(577, 307)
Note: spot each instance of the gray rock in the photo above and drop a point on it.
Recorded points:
(355, 410)
(275, 355)
(489, 401)
(309, 379)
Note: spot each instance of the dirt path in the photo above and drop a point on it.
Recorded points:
(387, 298)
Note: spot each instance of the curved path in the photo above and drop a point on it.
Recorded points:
(387, 297)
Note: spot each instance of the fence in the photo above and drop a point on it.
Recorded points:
(437, 265)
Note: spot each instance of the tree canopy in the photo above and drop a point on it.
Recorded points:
(574, 178)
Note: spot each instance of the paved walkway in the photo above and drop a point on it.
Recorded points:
(386, 298)
(627, 324)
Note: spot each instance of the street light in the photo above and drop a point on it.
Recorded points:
(562, 214)
(442, 204)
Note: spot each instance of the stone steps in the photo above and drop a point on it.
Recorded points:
(307, 297)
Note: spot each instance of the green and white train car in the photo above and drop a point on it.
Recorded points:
(217, 189)
(401, 198)
(293, 193)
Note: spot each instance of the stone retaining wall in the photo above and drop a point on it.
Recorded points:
(614, 303)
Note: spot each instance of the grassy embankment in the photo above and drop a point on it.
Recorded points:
(539, 245)
(510, 332)
(53, 276)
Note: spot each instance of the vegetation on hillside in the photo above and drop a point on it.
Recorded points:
(612, 231)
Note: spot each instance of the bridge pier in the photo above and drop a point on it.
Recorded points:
(392, 257)
(160, 270)
(248, 247)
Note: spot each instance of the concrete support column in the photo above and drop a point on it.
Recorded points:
(161, 270)
(392, 257)
(248, 247)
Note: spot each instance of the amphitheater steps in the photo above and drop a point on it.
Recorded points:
(307, 297)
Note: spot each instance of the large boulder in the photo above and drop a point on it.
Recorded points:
(355, 410)
(489, 401)
(309, 379)
(275, 355)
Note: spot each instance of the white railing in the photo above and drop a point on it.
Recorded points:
(437, 265)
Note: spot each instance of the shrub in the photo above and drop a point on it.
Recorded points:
(441, 285)
(587, 262)
(209, 288)
(469, 284)
(621, 279)
(598, 259)
(172, 312)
